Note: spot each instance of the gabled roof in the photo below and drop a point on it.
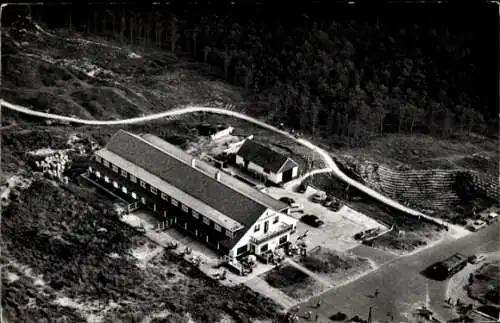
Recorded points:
(225, 178)
(160, 161)
(289, 164)
(163, 186)
(265, 157)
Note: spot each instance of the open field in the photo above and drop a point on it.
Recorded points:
(426, 152)
(444, 177)
(293, 282)
(90, 80)
(334, 266)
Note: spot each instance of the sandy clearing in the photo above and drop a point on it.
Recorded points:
(145, 253)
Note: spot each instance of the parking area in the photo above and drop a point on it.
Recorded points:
(209, 258)
(339, 227)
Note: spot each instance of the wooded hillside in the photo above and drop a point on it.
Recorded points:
(346, 73)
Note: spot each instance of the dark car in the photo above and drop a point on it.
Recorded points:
(328, 201)
(370, 233)
(287, 200)
(302, 188)
(312, 220)
(335, 206)
(450, 266)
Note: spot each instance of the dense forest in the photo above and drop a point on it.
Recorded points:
(346, 73)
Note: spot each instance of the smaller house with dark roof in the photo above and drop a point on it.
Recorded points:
(274, 167)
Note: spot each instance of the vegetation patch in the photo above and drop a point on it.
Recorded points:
(292, 281)
(368, 205)
(484, 284)
(409, 232)
(416, 232)
(404, 242)
(339, 316)
(329, 261)
(337, 267)
(66, 236)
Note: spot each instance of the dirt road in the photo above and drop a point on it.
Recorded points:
(191, 109)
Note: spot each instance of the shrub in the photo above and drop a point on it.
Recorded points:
(357, 319)
(339, 316)
(327, 262)
(285, 276)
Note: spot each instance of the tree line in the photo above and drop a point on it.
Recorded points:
(348, 80)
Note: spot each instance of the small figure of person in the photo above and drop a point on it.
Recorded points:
(376, 292)
(318, 303)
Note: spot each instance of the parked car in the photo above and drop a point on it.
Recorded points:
(287, 200)
(370, 233)
(312, 220)
(302, 188)
(450, 266)
(492, 217)
(477, 225)
(328, 201)
(335, 206)
(296, 207)
(477, 259)
(319, 197)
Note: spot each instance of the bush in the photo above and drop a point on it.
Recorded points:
(357, 319)
(339, 316)
(316, 264)
(285, 276)
(328, 262)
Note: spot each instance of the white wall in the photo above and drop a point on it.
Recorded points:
(268, 215)
(256, 168)
(222, 133)
(244, 240)
(240, 161)
(275, 178)
(295, 171)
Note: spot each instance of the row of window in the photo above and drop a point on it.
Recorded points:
(281, 241)
(154, 190)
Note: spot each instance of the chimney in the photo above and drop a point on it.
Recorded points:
(193, 162)
(217, 175)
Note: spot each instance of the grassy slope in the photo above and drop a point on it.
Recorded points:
(49, 73)
(73, 258)
(426, 152)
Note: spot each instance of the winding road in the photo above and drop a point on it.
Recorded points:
(192, 109)
(393, 276)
